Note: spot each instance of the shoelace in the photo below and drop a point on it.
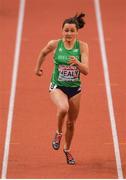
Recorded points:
(69, 156)
(58, 138)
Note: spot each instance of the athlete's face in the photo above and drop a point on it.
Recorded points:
(69, 32)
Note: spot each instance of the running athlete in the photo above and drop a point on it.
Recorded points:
(70, 59)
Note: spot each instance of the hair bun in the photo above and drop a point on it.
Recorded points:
(80, 20)
(77, 20)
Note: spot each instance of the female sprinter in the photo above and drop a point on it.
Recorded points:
(70, 59)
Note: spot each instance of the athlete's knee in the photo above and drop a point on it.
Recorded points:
(63, 109)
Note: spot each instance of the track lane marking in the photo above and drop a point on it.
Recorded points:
(13, 88)
(108, 89)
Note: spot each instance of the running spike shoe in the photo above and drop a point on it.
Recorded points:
(69, 158)
(56, 141)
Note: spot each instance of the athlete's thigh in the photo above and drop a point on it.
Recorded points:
(74, 106)
(59, 98)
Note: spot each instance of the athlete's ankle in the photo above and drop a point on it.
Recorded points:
(59, 132)
(66, 149)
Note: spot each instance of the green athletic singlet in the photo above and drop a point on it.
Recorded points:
(64, 74)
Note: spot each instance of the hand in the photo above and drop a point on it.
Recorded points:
(39, 73)
(73, 60)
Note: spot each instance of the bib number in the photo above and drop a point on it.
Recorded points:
(68, 73)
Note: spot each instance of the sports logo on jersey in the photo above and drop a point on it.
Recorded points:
(60, 49)
(75, 50)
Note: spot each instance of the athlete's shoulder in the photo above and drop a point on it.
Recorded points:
(82, 43)
(83, 46)
(53, 43)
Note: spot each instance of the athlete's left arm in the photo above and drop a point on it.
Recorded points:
(83, 66)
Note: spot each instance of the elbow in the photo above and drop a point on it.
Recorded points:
(86, 72)
(43, 55)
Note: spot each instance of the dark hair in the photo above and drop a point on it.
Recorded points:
(77, 20)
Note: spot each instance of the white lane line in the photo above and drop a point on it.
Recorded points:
(108, 89)
(13, 88)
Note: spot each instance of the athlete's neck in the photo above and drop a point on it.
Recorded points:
(69, 44)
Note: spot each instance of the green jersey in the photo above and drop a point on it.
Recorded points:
(65, 74)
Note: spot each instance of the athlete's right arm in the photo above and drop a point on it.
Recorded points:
(51, 46)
